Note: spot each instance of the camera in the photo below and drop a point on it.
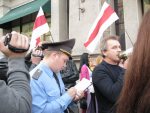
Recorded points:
(10, 47)
(124, 54)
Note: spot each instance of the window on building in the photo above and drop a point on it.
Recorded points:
(145, 5)
(27, 29)
(17, 29)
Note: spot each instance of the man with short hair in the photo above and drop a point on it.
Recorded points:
(107, 77)
(48, 90)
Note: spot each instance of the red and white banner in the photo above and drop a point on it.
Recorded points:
(105, 18)
(40, 27)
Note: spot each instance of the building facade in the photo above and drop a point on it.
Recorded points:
(72, 19)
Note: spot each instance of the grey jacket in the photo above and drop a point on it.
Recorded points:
(16, 97)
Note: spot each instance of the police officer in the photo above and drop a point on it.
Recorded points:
(15, 97)
(47, 87)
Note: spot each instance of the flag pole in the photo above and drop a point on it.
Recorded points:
(52, 39)
(129, 37)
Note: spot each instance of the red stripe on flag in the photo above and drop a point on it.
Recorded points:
(41, 20)
(38, 41)
(107, 13)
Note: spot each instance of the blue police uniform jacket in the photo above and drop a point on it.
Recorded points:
(46, 97)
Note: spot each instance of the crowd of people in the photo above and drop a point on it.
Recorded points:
(43, 80)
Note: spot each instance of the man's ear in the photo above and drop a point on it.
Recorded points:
(104, 54)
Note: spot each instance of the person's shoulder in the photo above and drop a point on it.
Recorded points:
(84, 67)
(99, 66)
(36, 75)
(38, 72)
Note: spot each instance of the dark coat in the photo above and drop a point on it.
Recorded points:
(107, 81)
(15, 97)
(3, 69)
(70, 74)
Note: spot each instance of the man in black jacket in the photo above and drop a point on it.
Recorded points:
(15, 97)
(108, 75)
(70, 74)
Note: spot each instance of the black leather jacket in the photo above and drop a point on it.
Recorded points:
(70, 74)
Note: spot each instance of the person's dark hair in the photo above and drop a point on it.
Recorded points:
(84, 60)
(103, 45)
(135, 96)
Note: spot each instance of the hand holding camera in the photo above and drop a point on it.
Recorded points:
(14, 44)
(12, 48)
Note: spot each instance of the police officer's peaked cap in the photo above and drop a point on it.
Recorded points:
(63, 46)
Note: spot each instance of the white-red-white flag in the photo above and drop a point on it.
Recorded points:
(105, 18)
(40, 27)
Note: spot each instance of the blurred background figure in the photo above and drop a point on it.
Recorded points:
(99, 59)
(70, 74)
(94, 61)
(88, 103)
(85, 72)
(84, 69)
(34, 56)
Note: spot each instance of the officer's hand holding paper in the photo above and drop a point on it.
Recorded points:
(83, 84)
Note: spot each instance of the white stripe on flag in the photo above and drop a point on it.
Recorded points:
(40, 27)
(37, 33)
(40, 30)
(105, 18)
(98, 18)
(40, 13)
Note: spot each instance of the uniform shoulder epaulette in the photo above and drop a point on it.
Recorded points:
(37, 74)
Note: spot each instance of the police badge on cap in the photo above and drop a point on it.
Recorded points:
(63, 46)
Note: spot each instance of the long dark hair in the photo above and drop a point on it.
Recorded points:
(84, 60)
(135, 96)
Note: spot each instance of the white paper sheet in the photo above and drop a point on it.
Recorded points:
(83, 84)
